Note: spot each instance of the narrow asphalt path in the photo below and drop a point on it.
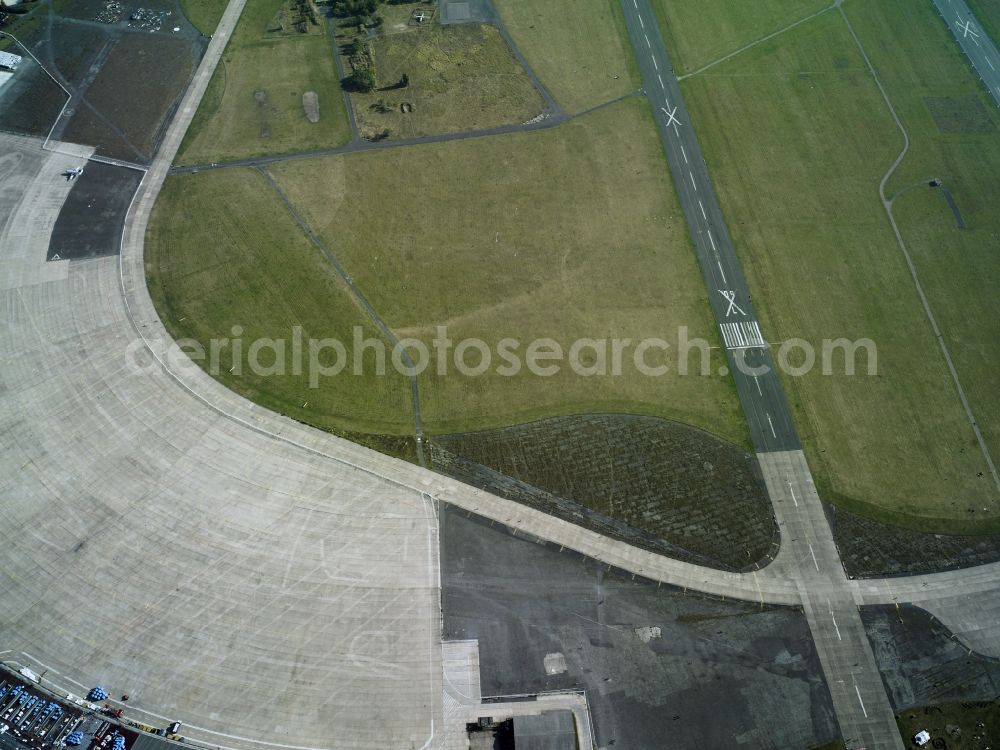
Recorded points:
(362, 300)
(809, 553)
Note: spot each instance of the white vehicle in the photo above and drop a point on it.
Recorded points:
(921, 738)
(72, 174)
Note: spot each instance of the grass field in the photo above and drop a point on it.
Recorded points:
(253, 105)
(578, 48)
(460, 78)
(978, 724)
(700, 31)
(223, 251)
(204, 15)
(797, 138)
(565, 233)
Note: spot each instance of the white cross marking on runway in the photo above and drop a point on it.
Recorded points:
(968, 29)
(733, 307)
(671, 114)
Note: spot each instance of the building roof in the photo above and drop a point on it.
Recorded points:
(552, 730)
(7, 60)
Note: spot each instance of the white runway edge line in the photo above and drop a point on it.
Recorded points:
(743, 334)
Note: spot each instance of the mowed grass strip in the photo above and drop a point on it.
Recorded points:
(578, 48)
(797, 138)
(700, 31)
(253, 105)
(204, 15)
(920, 62)
(568, 233)
(461, 77)
(223, 251)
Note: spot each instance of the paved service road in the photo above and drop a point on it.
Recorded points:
(979, 48)
(750, 361)
(808, 550)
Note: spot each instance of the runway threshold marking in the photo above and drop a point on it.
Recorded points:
(742, 334)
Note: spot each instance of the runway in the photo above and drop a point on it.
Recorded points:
(749, 359)
(977, 46)
(808, 549)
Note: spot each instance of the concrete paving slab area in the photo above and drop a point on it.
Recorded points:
(525, 600)
(466, 11)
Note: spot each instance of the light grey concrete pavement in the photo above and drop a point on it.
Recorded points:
(863, 709)
(977, 46)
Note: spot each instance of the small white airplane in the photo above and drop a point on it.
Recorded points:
(968, 29)
(72, 174)
(671, 116)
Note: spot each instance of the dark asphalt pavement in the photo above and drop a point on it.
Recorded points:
(750, 361)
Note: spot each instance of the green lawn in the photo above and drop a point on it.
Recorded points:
(797, 138)
(204, 15)
(578, 48)
(253, 105)
(223, 251)
(700, 31)
(564, 233)
(460, 78)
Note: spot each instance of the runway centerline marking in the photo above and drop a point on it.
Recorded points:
(703, 214)
(711, 240)
(811, 552)
(774, 434)
(794, 500)
(647, 42)
(660, 78)
(691, 175)
(832, 617)
(656, 64)
(719, 264)
(684, 154)
(643, 25)
(757, 381)
(861, 701)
